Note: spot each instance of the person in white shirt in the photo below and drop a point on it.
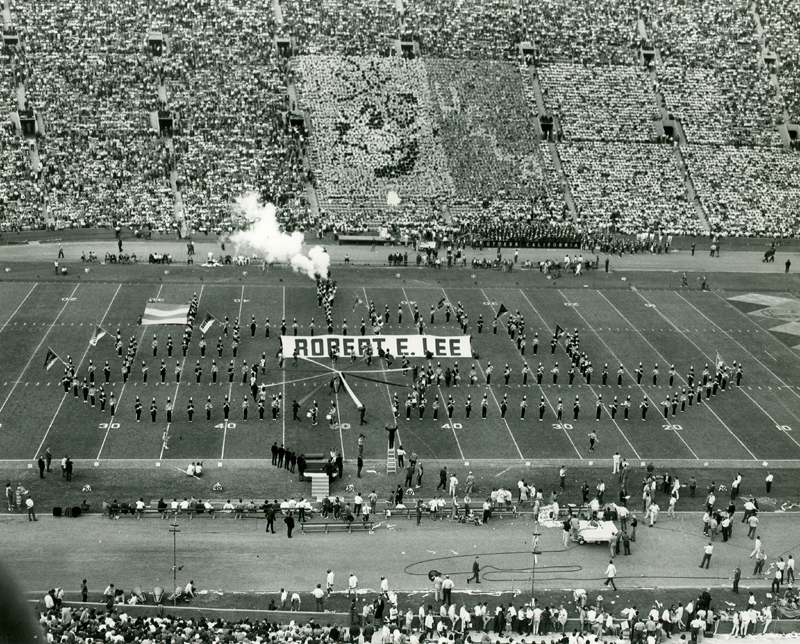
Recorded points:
(209, 509)
(329, 582)
(191, 469)
(735, 623)
(188, 591)
(744, 618)
(537, 618)
(352, 584)
(139, 508)
(767, 612)
(653, 510)
(319, 595)
(384, 585)
(611, 572)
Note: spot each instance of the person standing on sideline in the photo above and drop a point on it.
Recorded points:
(788, 264)
(84, 592)
(319, 596)
(31, 512)
(611, 572)
(767, 481)
(40, 463)
(707, 552)
(737, 575)
(476, 570)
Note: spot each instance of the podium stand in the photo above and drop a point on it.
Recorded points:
(320, 485)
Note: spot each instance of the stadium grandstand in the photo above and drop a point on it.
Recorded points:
(523, 123)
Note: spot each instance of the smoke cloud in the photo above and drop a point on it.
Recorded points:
(265, 238)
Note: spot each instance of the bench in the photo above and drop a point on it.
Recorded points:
(253, 509)
(337, 526)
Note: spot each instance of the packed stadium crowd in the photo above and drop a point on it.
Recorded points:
(448, 132)
(383, 619)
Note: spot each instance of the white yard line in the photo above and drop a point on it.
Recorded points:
(668, 321)
(496, 402)
(388, 391)
(656, 404)
(122, 391)
(589, 326)
(36, 350)
(710, 359)
(230, 386)
(541, 389)
(177, 386)
(450, 424)
(8, 322)
(64, 397)
(772, 373)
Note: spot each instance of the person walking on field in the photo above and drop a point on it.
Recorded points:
(707, 552)
(476, 570)
(611, 572)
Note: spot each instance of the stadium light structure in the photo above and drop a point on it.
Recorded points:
(174, 529)
(535, 552)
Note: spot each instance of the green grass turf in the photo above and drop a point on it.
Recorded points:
(259, 481)
(654, 323)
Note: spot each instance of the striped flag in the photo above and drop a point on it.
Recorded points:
(99, 332)
(207, 322)
(160, 313)
(720, 361)
(51, 358)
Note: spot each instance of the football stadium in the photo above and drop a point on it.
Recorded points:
(399, 321)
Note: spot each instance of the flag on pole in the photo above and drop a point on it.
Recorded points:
(358, 301)
(51, 358)
(720, 361)
(99, 332)
(441, 303)
(500, 311)
(207, 322)
(558, 332)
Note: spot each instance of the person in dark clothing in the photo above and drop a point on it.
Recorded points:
(289, 521)
(269, 513)
(392, 431)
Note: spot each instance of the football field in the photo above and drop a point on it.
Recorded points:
(758, 421)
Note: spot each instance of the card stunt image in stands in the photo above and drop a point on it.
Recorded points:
(413, 346)
(372, 139)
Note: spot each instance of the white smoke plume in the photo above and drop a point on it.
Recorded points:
(265, 238)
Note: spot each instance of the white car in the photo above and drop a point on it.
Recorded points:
(596, 531)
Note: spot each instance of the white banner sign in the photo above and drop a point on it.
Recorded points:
(414, 346)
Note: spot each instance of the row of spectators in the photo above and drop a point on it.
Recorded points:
(383, 619)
